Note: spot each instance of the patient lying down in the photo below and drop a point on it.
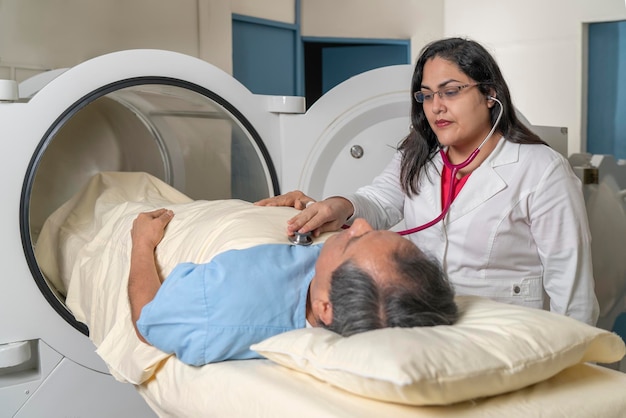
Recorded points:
(359, 280)
(139, 261)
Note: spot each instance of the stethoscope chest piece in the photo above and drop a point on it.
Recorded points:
(301, 239)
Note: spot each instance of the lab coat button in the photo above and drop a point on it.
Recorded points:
(517, 289)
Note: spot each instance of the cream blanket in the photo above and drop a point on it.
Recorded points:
(84, 251)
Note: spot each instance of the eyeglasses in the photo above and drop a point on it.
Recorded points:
(446, 93)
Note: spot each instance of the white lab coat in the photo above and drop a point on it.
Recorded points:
(517, 231)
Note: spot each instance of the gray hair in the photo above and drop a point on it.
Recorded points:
(417, 295)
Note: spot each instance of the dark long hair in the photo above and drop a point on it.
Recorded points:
(421, 145)
(417, 295)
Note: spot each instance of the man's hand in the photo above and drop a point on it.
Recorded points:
(149, 228)
(143, 279)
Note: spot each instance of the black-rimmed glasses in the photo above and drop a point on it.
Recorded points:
(448, 92)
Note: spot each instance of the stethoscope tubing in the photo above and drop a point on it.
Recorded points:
(454, 169)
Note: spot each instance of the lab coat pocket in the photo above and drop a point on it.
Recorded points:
(528, 290)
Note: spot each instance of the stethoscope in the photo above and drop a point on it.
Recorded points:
(454, 169)
(307, 239)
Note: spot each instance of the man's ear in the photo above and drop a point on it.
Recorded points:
(323, 310)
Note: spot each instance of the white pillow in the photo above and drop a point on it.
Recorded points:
(494, 348)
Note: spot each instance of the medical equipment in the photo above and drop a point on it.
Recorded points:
(454, 169)
(604, 188)
(301, 239)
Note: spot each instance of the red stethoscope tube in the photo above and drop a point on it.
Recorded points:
(454, 169)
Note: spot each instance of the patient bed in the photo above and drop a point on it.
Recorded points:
(498, 360)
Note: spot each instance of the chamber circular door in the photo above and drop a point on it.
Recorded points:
(177, 131)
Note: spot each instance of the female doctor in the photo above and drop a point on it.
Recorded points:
(501, 210)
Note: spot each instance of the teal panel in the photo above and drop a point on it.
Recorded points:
(620, 326)
(340, 62)
(264, 57)
(606, 103)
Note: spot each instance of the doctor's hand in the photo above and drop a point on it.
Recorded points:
(323, 216)
(149, 228)
(295, 199)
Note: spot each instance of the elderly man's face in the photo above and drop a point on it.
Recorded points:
(368, 249)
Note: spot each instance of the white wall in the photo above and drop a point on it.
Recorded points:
(278, 10)
(420, 21)
(61, 33)
(43, 34)
(540, 46)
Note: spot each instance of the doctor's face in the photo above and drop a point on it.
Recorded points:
(460, 116)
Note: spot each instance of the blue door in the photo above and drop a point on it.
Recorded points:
(606, 97)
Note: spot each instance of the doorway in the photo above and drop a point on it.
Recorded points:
(328, 62)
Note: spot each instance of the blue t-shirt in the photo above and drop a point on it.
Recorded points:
(211, 312)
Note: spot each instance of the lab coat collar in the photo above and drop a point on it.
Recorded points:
(505, 152)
